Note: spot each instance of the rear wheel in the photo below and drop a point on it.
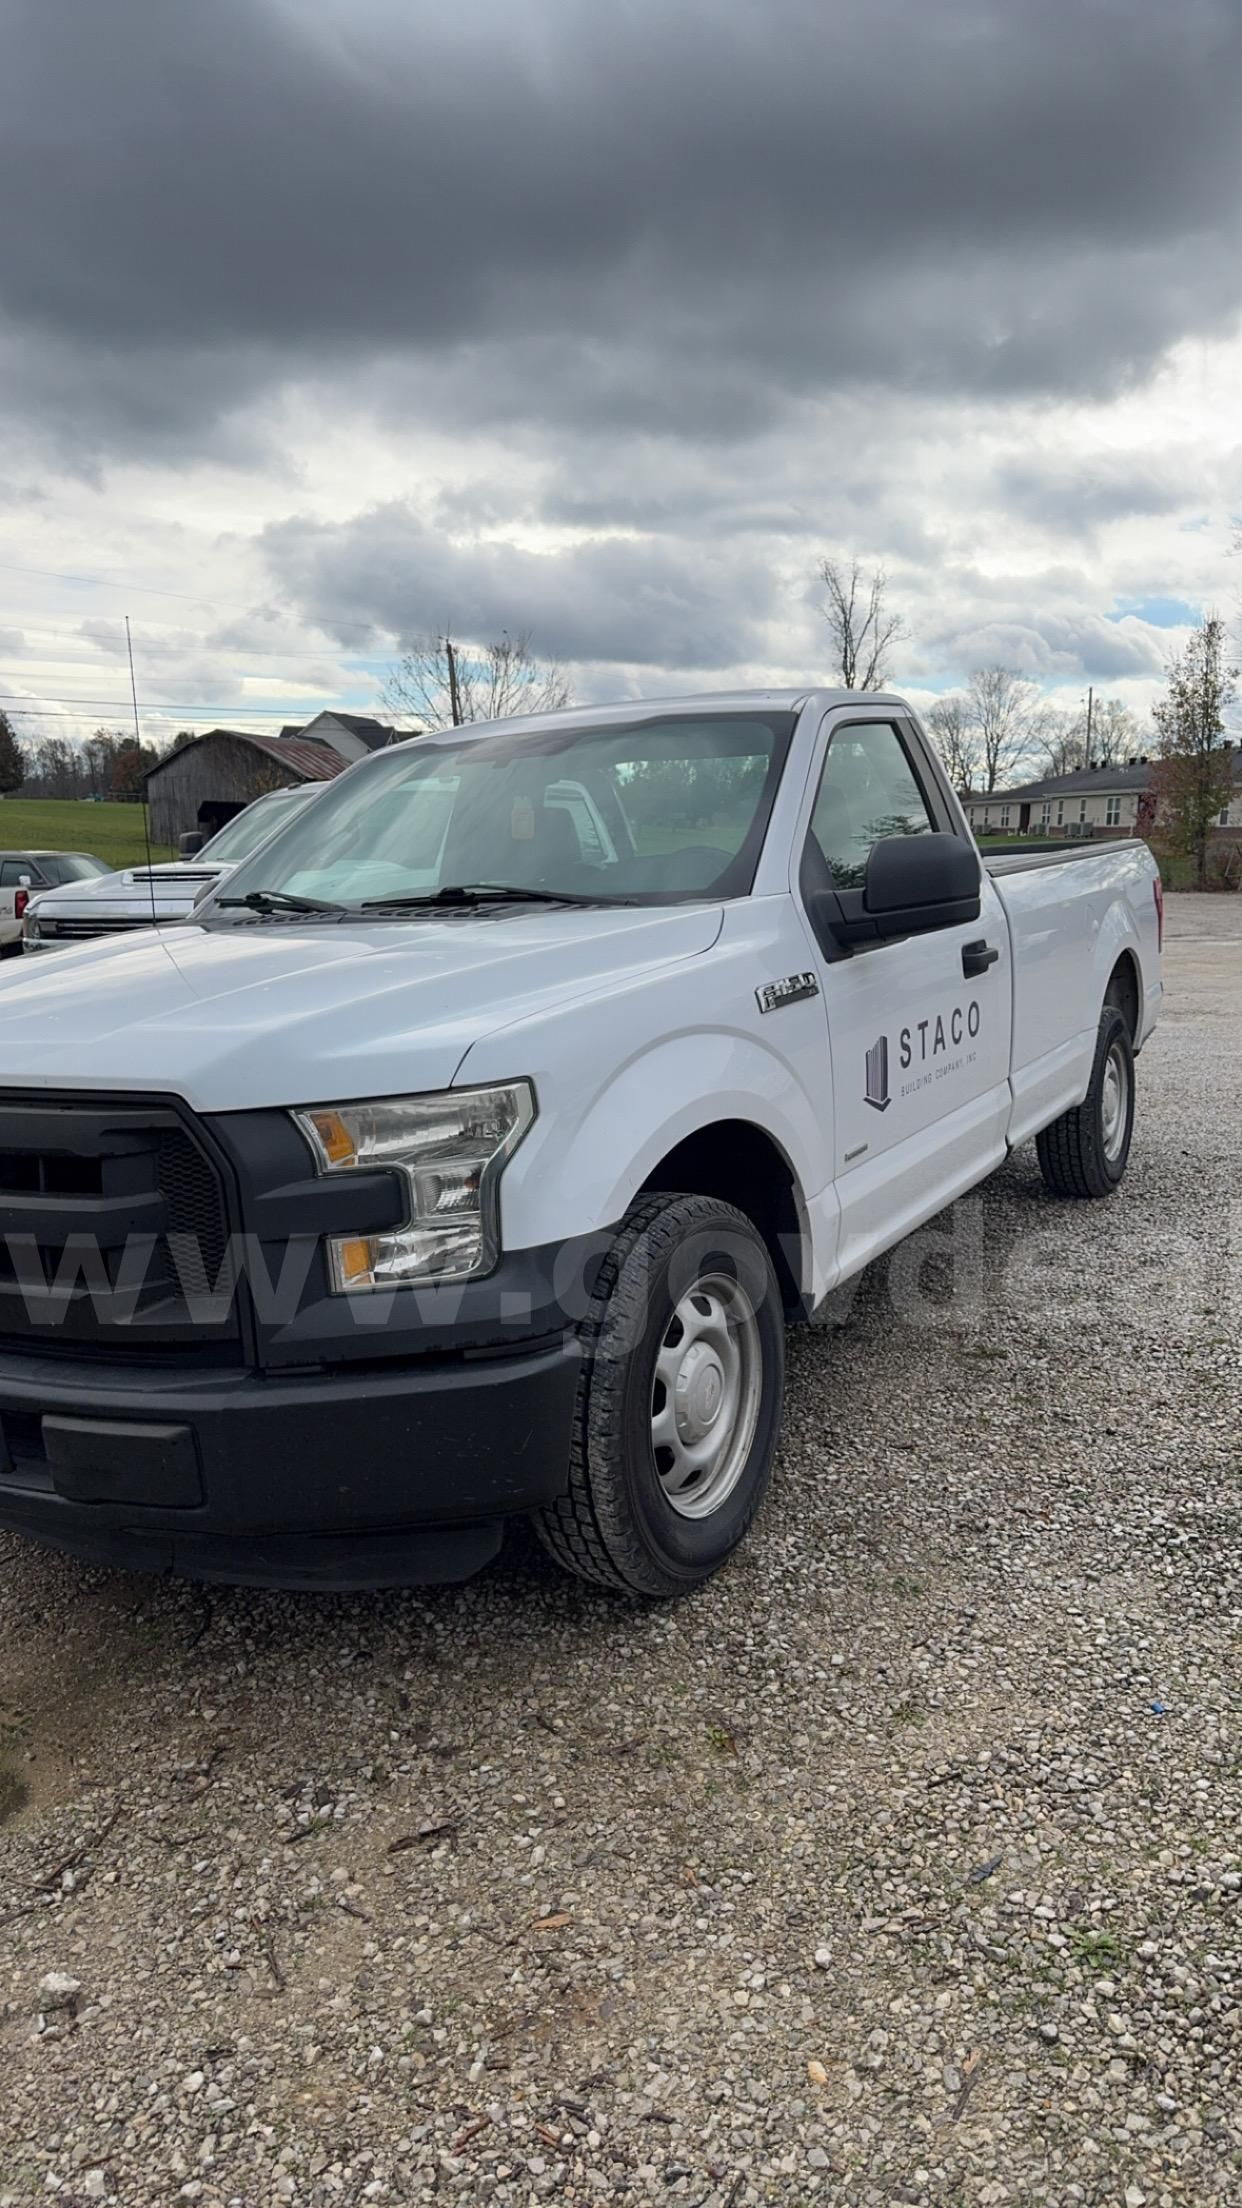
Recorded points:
(679, 1405)
(1084, 1153)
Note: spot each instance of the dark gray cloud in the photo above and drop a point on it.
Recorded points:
(1075, 498)
(613, 599)
(558, 216)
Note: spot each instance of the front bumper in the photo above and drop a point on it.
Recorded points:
(383, 1476)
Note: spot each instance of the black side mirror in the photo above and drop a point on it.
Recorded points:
(915, 883)
(192, 841)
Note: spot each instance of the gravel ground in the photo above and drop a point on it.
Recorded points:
(902, 1864)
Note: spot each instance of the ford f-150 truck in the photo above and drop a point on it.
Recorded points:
(468, 1153)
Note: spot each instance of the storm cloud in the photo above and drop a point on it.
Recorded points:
(649, 217)
(602, 323)
(612, 599)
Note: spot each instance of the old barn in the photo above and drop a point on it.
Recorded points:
(205, 781)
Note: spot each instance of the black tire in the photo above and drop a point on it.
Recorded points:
(617, 1525)
(1084, 1152)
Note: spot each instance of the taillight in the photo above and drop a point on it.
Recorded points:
(20, 901)
(1157, 890)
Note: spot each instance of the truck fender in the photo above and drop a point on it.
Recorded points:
(579, 1175)
(1117, 935)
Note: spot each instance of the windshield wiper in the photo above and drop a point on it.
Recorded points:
(279, 900)
(483, 893)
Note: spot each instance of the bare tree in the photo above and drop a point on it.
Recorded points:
(1064, 744)
(1010, 718)
(1114, 733)
(443, 683)
(1101, 734)
(956, 739)
(862, 628)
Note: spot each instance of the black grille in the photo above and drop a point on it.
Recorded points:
(193, 1206)
(81, 931)
(113, 1223)
(44, 1173)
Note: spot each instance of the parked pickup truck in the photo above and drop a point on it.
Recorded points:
(150, 896)
(469, 1153)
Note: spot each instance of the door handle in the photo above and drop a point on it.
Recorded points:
(977, 957)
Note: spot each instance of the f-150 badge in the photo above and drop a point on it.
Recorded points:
(776, 993)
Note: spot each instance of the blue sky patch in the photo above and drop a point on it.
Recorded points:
(1163, 613)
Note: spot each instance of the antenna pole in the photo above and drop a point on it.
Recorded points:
(146, 817)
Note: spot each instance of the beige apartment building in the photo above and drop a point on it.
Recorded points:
(1092, 801)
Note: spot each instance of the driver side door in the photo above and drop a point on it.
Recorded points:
(920, 1030)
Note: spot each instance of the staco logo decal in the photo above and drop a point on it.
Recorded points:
(877, 1075)
(940, 1043)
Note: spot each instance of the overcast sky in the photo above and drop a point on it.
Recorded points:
(327, 323)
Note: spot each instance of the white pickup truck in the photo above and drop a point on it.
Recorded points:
(159, 896)
(470, 1151)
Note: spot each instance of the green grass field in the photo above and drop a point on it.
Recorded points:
(111, 832)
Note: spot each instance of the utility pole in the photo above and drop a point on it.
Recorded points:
(454, 693)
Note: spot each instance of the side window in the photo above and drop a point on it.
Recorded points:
(13, 872)
(867, 791)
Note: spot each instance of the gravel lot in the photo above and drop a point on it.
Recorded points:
(902, 1864)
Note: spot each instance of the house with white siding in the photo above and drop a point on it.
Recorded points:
(1091, 801)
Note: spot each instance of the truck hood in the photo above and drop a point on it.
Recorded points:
(176, 884)
(278, 1013)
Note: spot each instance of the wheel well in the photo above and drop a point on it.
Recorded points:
(1123, 991)
(741, 1165)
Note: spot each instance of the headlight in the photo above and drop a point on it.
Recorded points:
(449, 1150)
(30, 926)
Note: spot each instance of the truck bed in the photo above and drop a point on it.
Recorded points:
(1024, 858)
(1067, 911)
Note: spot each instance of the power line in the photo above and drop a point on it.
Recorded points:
(218, 649)
(113, 705)
(155, 590)
(120, 582)
(106, 667)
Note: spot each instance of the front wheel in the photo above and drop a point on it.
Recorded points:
(679, 1405)
(1084, 1152)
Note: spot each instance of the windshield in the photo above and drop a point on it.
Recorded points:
(660, 810)
(73, 866)
(246, 831)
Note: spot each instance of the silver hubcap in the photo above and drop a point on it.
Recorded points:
(1113, 1103)
(705, 1395)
